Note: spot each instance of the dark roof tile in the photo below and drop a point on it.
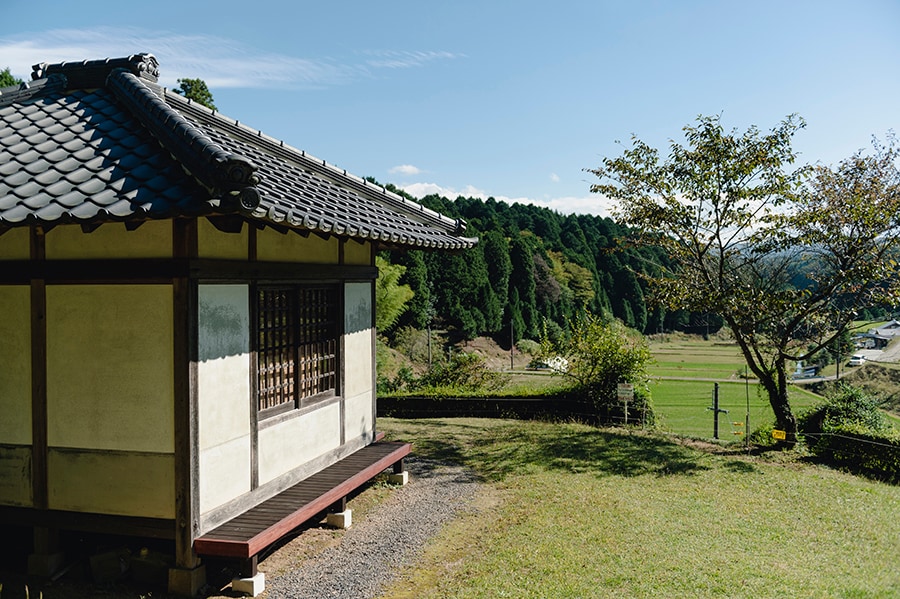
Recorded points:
(47, 178)
(71, 199)
(98, 141)
(79, 175)
(38, 166)
(92, 186)
(17, 214)
(68, 165)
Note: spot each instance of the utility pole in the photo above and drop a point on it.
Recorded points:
(716, 410)
(512, 345)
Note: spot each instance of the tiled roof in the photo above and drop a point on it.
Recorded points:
(99, 141)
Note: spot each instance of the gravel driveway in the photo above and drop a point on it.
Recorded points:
(388, 538)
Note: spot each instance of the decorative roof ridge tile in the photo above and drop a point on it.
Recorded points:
(227, 176)
(322, 167)
(87, 74)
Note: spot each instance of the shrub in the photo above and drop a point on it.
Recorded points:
(599, 355)
(528, 347)
(462, 372)
(850, 431)
(846, 406)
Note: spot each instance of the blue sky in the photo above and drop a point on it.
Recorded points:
(505, 99)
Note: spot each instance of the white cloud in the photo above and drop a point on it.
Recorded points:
(392, 59)
(219, 61)
(591, 204)
(554, 177)
(405, 169)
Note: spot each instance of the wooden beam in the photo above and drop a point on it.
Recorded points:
(39, 452)
(187, 441)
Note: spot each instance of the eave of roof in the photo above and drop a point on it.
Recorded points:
(99, 141)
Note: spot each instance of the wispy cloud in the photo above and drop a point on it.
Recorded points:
(554, 177)
(219, 61)
(593, 204)
(392, 59)
(405, 169)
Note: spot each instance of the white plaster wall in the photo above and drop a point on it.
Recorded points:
(223, 390)
(15, 244)
(359, 417)
(272, 246)
(213, 243)
(110, 367)
(15, 356)
(224, 473)
(296, 441)
(359, 363)
(153, 239)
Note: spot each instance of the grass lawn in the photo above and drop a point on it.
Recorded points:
(572, 511)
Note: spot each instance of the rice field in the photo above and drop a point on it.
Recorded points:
(684, 376)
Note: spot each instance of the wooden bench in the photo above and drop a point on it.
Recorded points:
(248, 534)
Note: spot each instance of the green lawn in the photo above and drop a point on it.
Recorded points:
(573, 511)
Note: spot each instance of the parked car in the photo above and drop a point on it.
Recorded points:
(857, 360)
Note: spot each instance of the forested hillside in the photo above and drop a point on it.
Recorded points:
(532, 266)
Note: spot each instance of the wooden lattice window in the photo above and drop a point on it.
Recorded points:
(297, 346)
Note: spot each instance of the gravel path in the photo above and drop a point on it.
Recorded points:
(388, 538)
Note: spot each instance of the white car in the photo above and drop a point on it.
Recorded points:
(856, 360)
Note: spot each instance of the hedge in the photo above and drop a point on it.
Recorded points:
(859, 451)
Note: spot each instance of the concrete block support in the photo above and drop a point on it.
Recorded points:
(399, 478)
(252, 585)
(47, 558)
(187, 582)
(340, 519)
(45, 565)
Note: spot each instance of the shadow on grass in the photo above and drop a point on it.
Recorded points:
(498, 451)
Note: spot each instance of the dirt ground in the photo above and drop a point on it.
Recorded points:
(496, 357)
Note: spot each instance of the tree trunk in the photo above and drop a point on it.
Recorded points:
(777, 388)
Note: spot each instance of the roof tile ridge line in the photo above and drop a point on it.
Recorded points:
(322, 165)
(30, 89)
(218, 170)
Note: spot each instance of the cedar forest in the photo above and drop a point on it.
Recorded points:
(532, 268)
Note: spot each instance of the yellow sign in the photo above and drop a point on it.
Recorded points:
(777, 434)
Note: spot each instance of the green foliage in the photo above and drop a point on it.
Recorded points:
(846, 406)
(414, 343)
(861, 451)
(462, 372)
(529, 347)
(599, 355)
(734, 221)
(851, 431)
(8, 80)
(390, 296)
(196, 91)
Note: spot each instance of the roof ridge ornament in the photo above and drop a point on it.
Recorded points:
(223, 173)
(93, 73)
